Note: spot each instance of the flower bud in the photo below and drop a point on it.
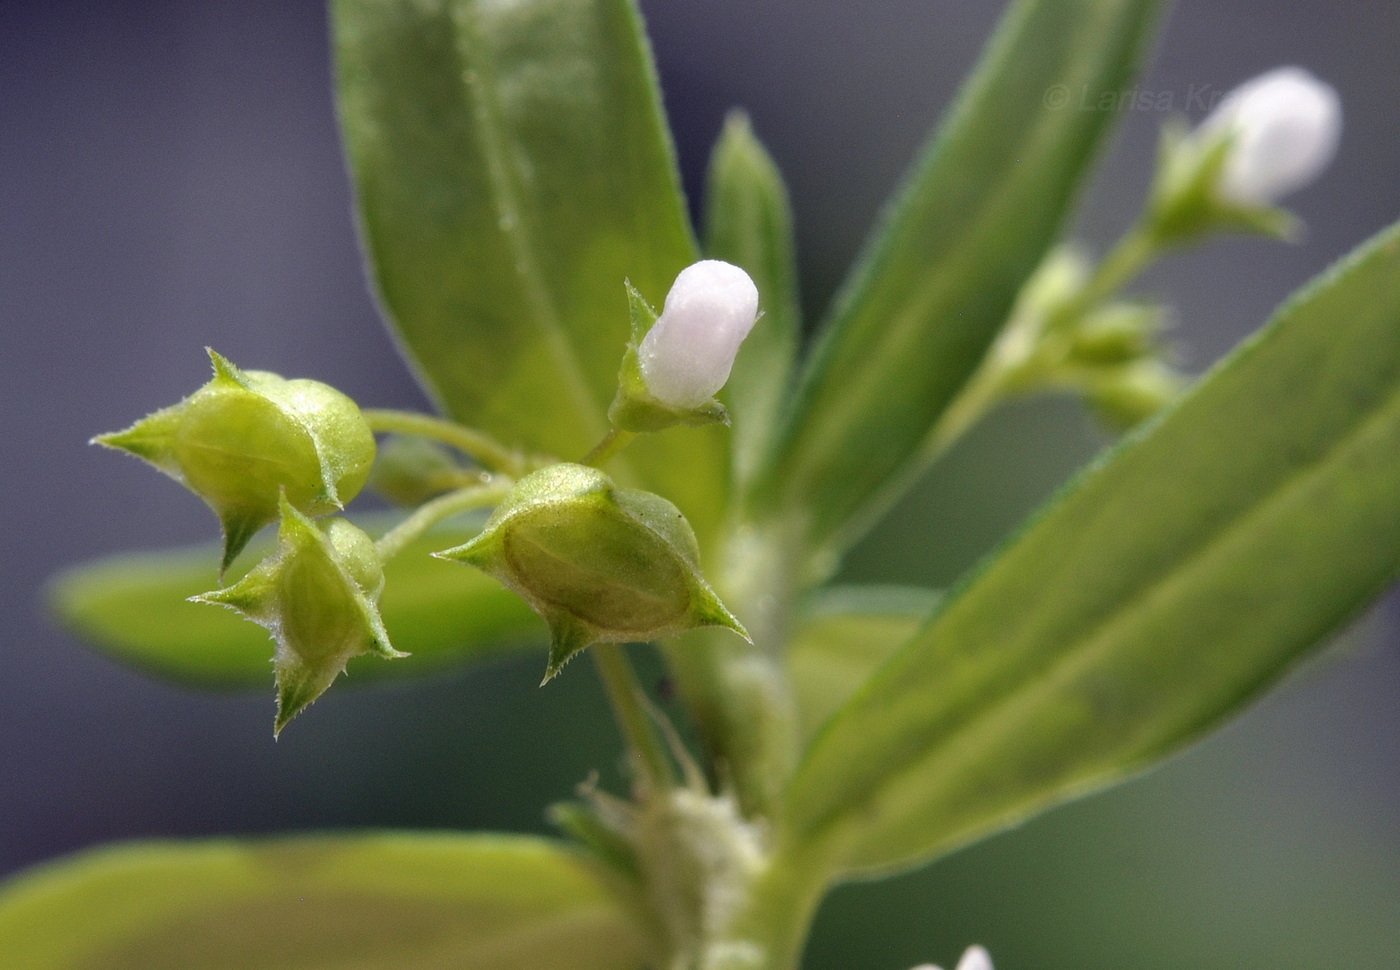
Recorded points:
(973, 958)
(1283, 128)
(410, 470)
(1130, 395)
(1118, 333)
(1268, 137)
(686, 356)
(318, 596)
(597, 562)
(246, 437)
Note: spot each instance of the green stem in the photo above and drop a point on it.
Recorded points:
(480, 445)
(978, 396)
(451, 479)
(780, 909)
(1128, 257)
(738, 694)
(613, 442)
(633, 717)
(429, 514)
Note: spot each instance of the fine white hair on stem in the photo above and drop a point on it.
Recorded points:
(1284, 125)
(688, 353)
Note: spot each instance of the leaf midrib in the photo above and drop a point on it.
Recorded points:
(505, 198)
(872, 383)
(1039, 141)
(1092, 643)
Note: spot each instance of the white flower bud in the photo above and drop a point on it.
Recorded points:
(1285, 124)
(975, 958)
(687, 354)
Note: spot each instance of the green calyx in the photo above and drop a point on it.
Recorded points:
(318, 596)
(1118, 333)
(635, 408)
(597, 562)
(1186, 202)
(247, 437)
(410, 471)
(1126, 396)
(1067, 333)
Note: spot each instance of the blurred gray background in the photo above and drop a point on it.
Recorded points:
(170, 177)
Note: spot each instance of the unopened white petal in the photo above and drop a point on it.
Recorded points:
(1285, 126)
(975, 958)
(687, 355)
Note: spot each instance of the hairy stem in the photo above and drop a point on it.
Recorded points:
(478, 444)
(739, 693)
(995, 379)
(612, 444)
(429, 514)
(633, 716)
(1133, 253)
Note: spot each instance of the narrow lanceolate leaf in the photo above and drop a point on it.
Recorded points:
(842, 636)
(1160, 593)
(133, 607)
(513, 170)
(748, 223)
(937, 279)
(407, 901)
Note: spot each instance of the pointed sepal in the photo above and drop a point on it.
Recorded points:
(568, 637)
(600, 564)
(709, 610)
(317, 594)
(151, 439)
(636, 408)
(1188, 202)
(298, 687)
(238, 525)
(247, 437)
(226, 372)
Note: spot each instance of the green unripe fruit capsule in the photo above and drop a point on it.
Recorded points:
(1132, 394)
(354, 550)
(246, 437)
(1120, 333)
(318, 596)
(409, 471)
(597, 562)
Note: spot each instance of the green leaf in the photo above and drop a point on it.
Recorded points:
(748, 223)
(1165, 589)
(512, 170)
(939, 276)
(843, 634)
(411, 902)
(133, 607)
